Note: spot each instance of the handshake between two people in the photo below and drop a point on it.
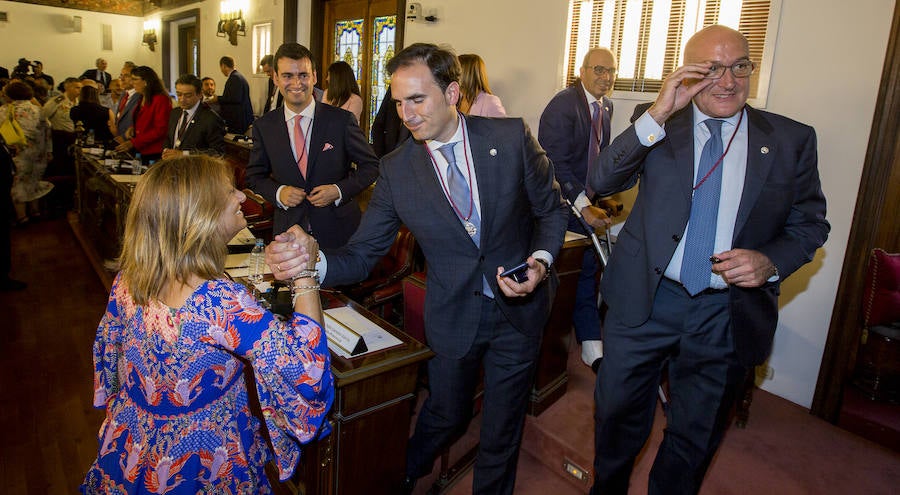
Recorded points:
(294, 251)
(291, 252)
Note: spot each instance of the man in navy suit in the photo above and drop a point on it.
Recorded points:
(730, 204)
(234, 102)
(195, 128)
(304, 153)
(574, 128)
(127, 103)
(99, 74)
(479, 195)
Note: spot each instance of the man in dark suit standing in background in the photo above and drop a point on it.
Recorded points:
(479, 195)
(574, 128)
(273, 95)
(99, 74)
(234, 102)
(729, 205)
(196, 128)
(304, 153)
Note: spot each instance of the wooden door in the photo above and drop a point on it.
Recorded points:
(188, 50)
(362, 33)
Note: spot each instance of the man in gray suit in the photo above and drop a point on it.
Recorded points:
(730, 204)
(478, 195)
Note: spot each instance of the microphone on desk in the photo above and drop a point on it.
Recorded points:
(570, 191)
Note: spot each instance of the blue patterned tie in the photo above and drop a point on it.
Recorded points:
(696, 269)
(460, 192)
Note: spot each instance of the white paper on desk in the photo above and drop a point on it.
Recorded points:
(242, 238)
(238, 265)
(573, 236)
(375, 337)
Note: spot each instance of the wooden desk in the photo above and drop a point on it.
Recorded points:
(374, 397)
(551, 379)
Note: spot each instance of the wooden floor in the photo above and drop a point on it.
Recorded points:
(48, 425)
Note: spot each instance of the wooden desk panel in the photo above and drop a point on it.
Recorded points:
(374, 397)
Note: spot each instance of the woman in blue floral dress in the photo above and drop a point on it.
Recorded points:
(170, 348)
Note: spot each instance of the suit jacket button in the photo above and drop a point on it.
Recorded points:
(657, 270)
(676, 237)
(476, 293)
(481, 259)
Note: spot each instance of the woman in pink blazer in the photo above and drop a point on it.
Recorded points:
(476, 97)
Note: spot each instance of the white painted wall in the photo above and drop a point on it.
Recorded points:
(45, 34)
(826, 73)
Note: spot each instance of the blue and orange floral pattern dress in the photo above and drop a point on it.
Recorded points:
(172, 382)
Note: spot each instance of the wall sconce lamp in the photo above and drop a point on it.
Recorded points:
(151, 27)
(231, 20)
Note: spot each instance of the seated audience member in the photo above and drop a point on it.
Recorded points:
(151, 117)
(171, 347)
(99, 74)
(94, 116)
(475, 96)
(41, 91)
(343, 90)
(193, 127)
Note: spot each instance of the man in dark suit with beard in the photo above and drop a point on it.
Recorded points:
(729, 205)
(196, 128)
(304, 153)
(479, 195)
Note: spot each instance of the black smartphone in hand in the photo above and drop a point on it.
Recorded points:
(517, 273)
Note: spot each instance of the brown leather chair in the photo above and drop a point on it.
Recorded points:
(382, 292)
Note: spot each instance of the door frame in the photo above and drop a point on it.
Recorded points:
(874, 225)
(167, 45)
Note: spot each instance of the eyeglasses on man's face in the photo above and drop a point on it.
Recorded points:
(742, 68)
(600, 70)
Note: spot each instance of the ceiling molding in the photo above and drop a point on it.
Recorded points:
(135, 8)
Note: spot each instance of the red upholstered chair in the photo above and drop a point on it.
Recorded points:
(258, 212)
(877, 371)
(383, 290)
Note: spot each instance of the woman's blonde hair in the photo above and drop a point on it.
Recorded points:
(173, 229)
(472, 80)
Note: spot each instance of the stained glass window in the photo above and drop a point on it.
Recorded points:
(383, 49)
(348, 35)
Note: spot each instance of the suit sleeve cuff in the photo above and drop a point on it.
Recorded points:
(278, 195)
(648, 131)
(544, 255)
(322, 265)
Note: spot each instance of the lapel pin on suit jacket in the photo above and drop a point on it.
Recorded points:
(327, 147)
(493, 152)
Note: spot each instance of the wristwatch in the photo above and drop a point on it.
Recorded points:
(546, 267)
